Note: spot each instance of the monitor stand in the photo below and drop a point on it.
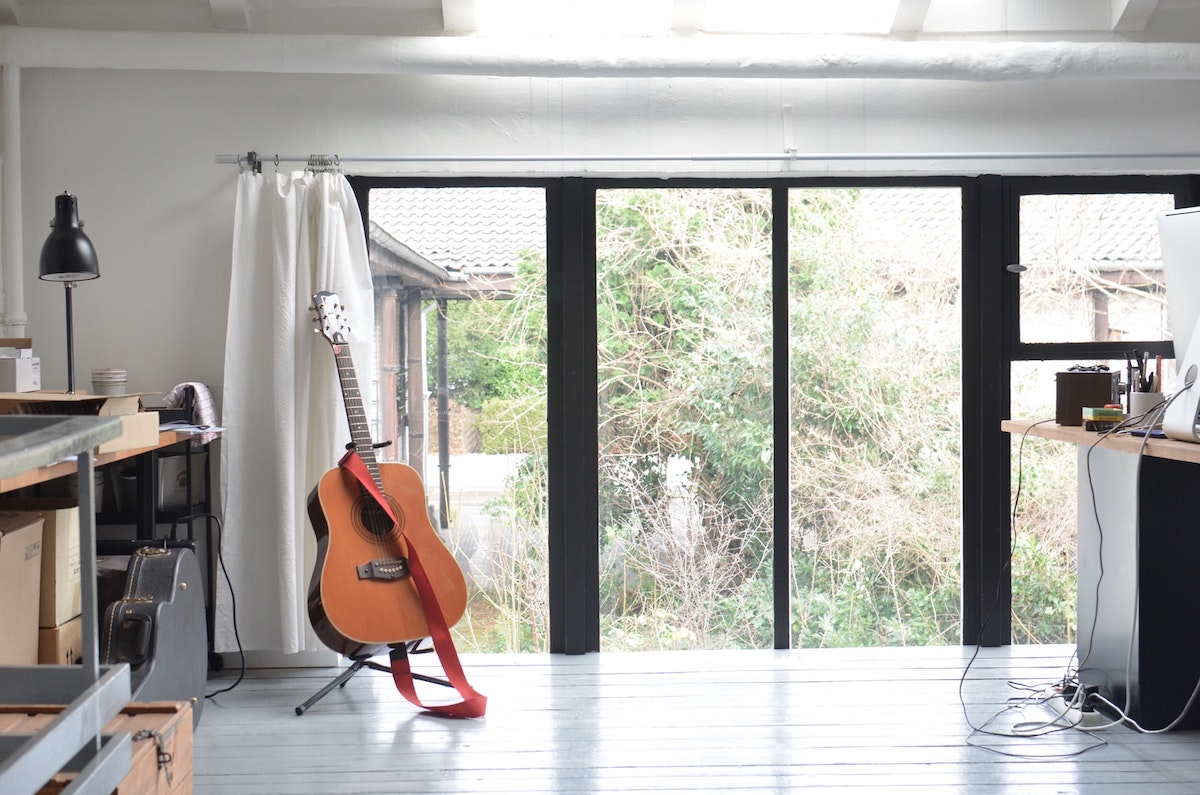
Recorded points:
(1179, 420)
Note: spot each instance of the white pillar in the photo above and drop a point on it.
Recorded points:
(12, 284)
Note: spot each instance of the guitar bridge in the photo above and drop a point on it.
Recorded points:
(384, 569)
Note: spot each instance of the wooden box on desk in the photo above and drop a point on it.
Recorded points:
(161, 762)
(138, 428)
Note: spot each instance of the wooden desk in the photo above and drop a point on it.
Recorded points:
(1138, 581)
(64, 468)
(1155, 448)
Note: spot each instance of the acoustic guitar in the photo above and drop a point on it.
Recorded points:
(361, 597)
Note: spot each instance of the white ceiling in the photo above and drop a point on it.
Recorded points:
(1042, 20)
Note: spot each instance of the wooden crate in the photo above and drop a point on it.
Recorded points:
(153, 724)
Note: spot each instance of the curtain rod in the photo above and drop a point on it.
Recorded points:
(254, 160)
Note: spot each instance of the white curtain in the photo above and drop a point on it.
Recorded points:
(294, 234)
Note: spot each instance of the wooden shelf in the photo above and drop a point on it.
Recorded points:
(64, 468)
(1155, 448)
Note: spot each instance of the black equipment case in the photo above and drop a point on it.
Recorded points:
(158, 627)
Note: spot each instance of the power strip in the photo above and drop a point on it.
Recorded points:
(1081, 719)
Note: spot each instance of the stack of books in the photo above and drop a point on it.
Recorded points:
(20, 370)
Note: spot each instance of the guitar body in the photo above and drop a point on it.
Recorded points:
(360, 598)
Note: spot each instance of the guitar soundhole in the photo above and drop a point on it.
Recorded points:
(373, 524)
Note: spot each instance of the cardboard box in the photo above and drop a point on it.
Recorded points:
(79, 402)
(138, 428)
(61, 585)
(16, 347)
(61, 645)
(20, 374)
(161, 762)
(61, 588)
(20, 581)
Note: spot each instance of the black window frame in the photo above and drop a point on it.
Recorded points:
(987, 618)
(990, 343)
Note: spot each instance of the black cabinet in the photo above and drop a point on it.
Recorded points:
(1139, 553)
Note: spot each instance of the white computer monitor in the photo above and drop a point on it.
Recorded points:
(1179, 234)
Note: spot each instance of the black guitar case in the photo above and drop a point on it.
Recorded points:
(158, 627)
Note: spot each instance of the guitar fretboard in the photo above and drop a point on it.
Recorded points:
(360, 432)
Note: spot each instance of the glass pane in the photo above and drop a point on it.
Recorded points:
(1094, 270)
(468, 409)
(1094, 273)
(876, 405)
(685, 433)
(1043, 528)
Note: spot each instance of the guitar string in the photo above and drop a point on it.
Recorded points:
(374, 517)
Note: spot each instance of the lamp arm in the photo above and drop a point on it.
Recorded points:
(70, 288)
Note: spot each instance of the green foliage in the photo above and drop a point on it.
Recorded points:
(513, 424)
(1044, 597)
(874, 464)
(685, 379)
(496, 361)
(512, 614)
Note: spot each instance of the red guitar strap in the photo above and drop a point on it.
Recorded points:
(473, 704)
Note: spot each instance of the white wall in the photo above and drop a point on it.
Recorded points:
(139, 147)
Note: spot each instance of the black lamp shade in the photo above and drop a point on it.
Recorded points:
(67, 254)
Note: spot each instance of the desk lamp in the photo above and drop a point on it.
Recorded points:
(68, 257)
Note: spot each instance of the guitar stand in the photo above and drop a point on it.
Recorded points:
(358, 662)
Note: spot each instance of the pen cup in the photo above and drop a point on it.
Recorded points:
(1143, 407)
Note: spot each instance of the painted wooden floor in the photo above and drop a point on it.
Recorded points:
(843, 720)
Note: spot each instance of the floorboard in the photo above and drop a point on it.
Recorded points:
(837, 720)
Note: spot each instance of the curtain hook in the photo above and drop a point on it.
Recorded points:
(253, 162)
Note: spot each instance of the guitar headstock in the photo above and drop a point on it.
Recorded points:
(331, 318)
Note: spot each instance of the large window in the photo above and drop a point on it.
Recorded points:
(727, 414)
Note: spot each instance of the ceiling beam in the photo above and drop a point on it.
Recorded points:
(785, 57)
(230, 14)
(1131, 16)
(458, 16)
(910, 16)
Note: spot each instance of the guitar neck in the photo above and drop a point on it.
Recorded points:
(360, 431)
